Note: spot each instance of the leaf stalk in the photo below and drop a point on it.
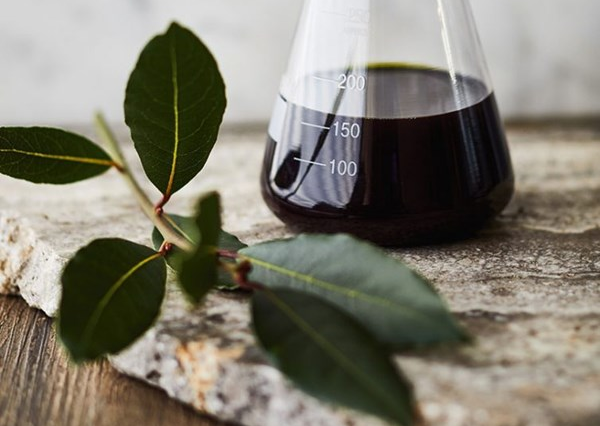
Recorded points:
(241, 274)
(227, 254)
(143, 200)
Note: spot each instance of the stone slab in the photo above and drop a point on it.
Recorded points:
(528, 287)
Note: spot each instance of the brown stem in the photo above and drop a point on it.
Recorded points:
(241, 277)
(118, 166)
(165, 248)
(146, 205)
(159, 208)
(228, 254)
(419, 418)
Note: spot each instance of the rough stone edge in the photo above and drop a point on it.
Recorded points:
(199, 374)
(218, 382)
(28, 266)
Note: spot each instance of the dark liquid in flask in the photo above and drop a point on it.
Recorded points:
(427, 177)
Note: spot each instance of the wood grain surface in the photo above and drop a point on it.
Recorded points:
(39, 386)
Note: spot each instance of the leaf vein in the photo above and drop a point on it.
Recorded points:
(97, 314)
(351, 294)
(331, 350)
(74, 159)
(176, 117)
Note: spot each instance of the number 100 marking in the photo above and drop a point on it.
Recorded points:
(344, 168)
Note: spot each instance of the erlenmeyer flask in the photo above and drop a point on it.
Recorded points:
(386, 124)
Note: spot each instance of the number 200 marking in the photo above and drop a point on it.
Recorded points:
(344, 168)
(352, 82)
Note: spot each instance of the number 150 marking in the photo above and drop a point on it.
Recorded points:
(345, 129)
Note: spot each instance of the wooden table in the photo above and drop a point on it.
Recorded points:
(39, 386)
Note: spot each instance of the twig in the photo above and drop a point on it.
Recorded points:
(146, 205)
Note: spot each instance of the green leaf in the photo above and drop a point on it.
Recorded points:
(45, 155)
(186, 226)
(398, 306)
(329, 355)
(199, 272)
(174, 106)
(112, 293)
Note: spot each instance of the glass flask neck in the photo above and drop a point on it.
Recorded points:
(342, 44)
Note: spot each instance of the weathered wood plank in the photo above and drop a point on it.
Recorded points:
(38, 385)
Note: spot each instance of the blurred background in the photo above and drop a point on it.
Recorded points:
(63, 59)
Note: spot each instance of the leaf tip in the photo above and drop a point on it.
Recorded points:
(466, 337)
(174, 26)
(193, 299)
(78, 360)
(77, 355)
(462, 334)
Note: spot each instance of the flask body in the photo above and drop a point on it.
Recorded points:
(375, 143)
